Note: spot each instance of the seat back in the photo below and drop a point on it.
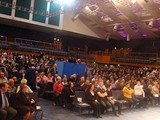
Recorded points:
(49, 87)
(80, 94)
(117, 94)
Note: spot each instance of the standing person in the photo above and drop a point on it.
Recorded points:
(6, 112)
(92, 100)
(31, 77)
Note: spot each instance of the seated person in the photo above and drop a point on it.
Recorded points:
(92, 100)
(140, 94)
(149, 94)
(85, 85)
(24, 81)
(102, 94)
(113, 102)
(155, 92)
(12, 88)
(70, 94)
(24, 104)
(128, 95)
(57, 89)
(6, 112)
(49, 78)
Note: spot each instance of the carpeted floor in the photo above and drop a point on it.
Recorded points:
(52, 112)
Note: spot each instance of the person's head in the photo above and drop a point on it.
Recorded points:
(4, 87)
(59, 79)
(87, 82)
(150, 86)
(101, 84)
(11, 82)
(24, 81)
(156, 83)
(14, 78)
(128, 84)
(138, 83)
(71, 85)
(90, 88)
(82, 79)
(42, 74)
(55, 65)
(49, 75)
(23, 88)
(2, 74)
(64, 76)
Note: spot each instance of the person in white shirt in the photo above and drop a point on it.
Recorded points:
(140, 94)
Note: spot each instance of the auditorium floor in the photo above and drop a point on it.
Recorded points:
(58, 113)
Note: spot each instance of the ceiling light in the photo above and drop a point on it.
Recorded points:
(133, 1)
(128, 37)
(108, 36)
(150, 25)
(115, 27)
(75, 17)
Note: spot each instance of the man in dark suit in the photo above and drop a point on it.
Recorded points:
(31, 77)
(6, 112)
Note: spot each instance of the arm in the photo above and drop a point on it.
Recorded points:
(102, 94)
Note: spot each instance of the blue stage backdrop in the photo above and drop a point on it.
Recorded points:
(70, 68)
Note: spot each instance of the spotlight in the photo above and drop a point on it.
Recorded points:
(128, 37)
(133, 1)
(108, 36)
(115, 27)
(75, 17)
(150, 25)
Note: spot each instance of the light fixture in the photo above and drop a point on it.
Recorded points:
(128, 37)
(133, 1)
(75, 17)
(150, 25)
(66, 2)
(107, 36)
(115, 27)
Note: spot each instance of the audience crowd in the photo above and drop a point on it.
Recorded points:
(22, 74)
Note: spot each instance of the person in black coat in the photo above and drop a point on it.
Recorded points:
(149, 94)
(31, 77)
(70, 95)
(6, 111)
(24, 104)
(92, 100)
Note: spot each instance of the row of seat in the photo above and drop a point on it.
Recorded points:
(117, 94)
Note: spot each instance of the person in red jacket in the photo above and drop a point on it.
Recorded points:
(57, 90)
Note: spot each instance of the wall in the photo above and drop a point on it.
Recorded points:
(76, 26)
(101, 58)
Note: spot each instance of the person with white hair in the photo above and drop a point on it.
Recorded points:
(24, 81)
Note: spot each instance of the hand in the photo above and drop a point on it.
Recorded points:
(32, 101)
